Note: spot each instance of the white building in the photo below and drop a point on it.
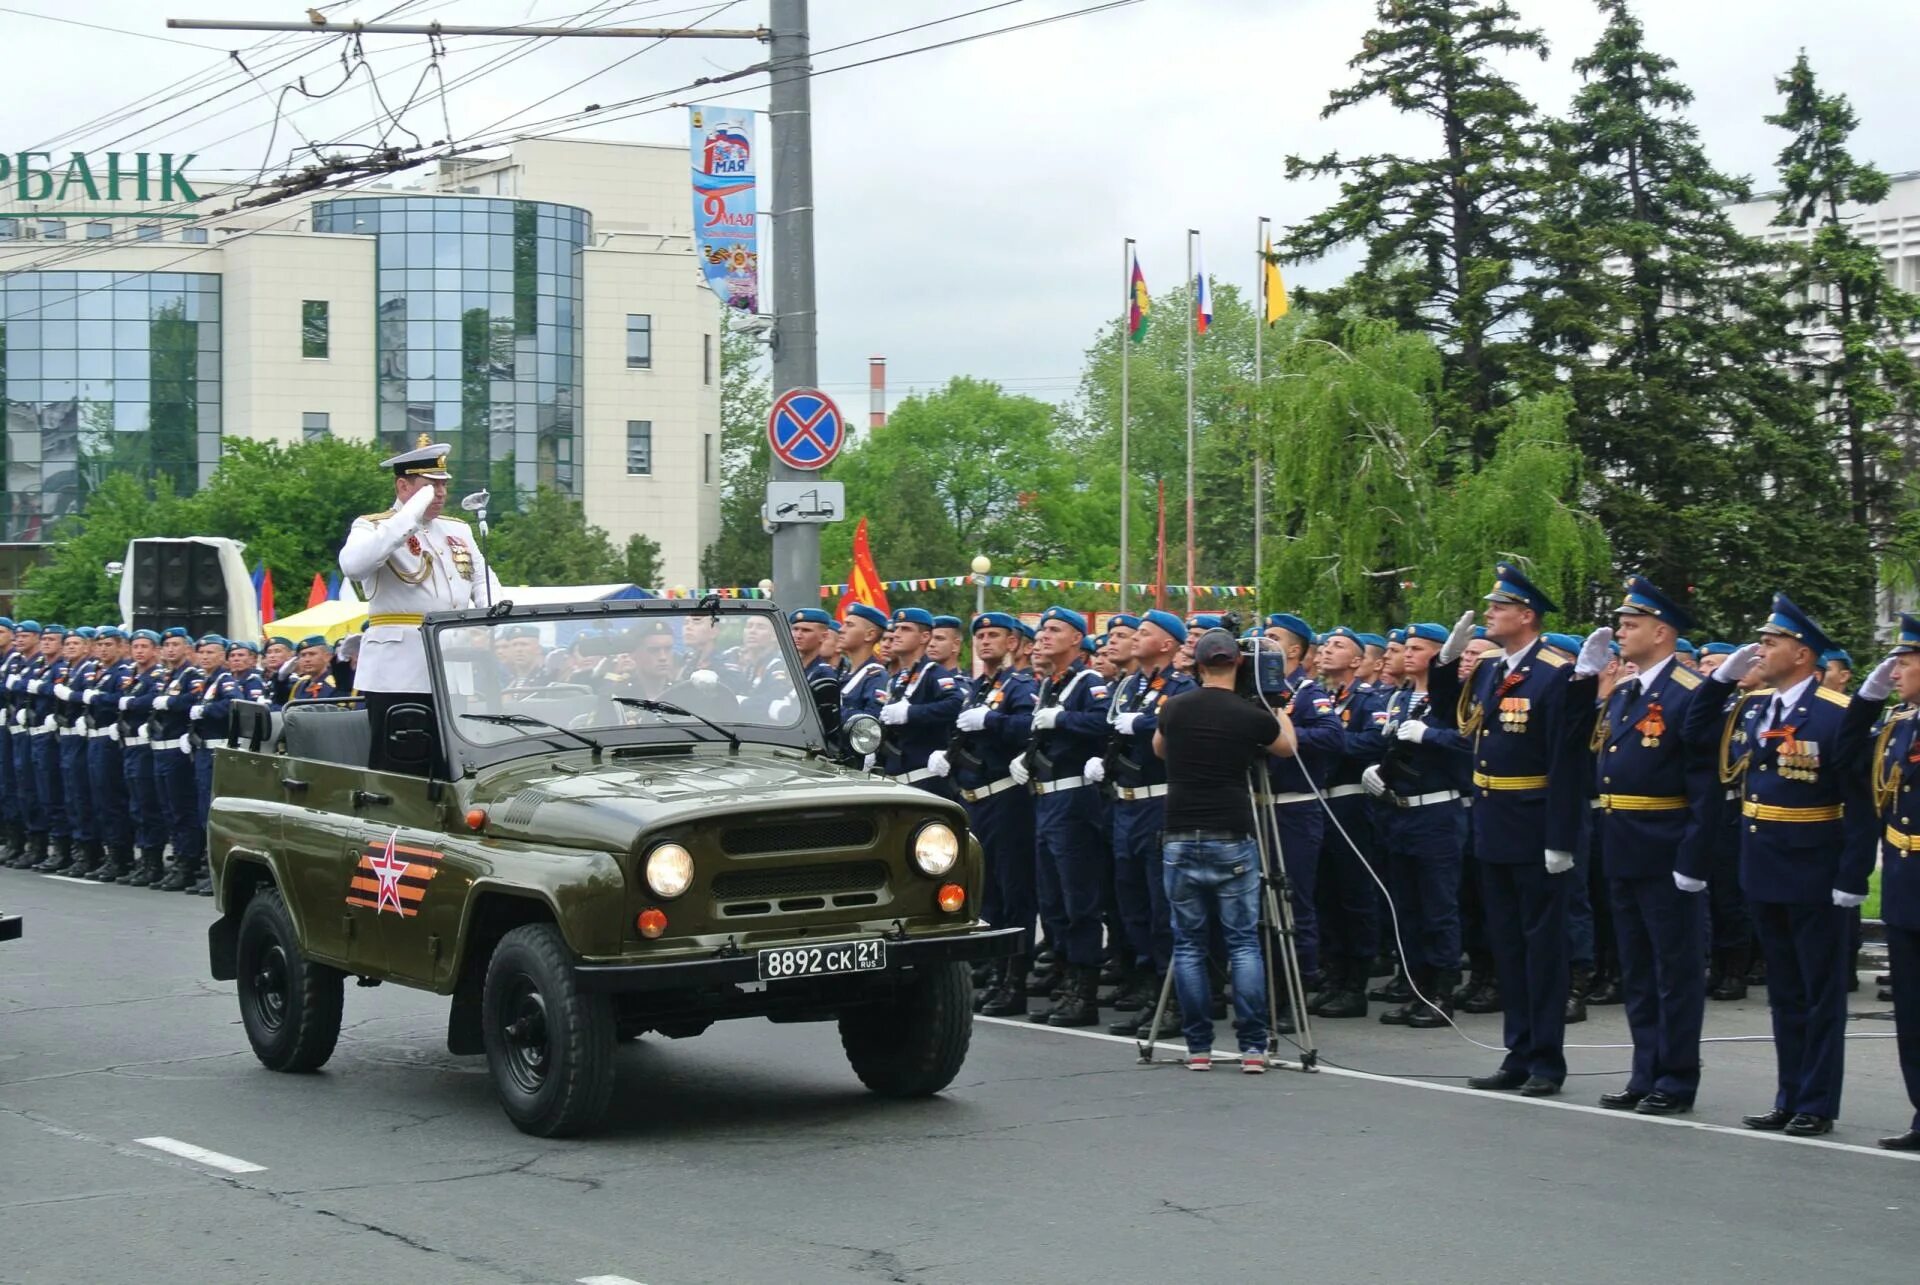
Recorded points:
(542, 311)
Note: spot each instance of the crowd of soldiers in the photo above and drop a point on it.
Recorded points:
(1479, 817)
(106, 768)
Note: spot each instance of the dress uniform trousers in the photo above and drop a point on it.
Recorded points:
(1302, 826)
(1732, 919)
(202, 786)
(1004, 824)
(1424, 847)
(46, 768)
(11, 812)
(1903, 958)
(107, 787)
(1660, 931)
(146, 819)
(1584, 899)
(173, 776)
(1346, 900)
(1526, 916)
(1139, 881)
(26, 782)
(1071, 872)
(1808, 958)
(76, 782)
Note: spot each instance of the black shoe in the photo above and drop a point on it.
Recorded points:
(1437, 1009)
(1576, 1008)
(1808, 1126)
(1606, 990)
(1171, 1022)
(1499, 1080)
(1769, 1121)
(1908, 1141)
(1884, 979)
(1009, 999)
(147, 870)
(1539, 1086)
(1884, 995)
(203, 886)
(1658, 1103)
(1080, 1005)
(1351, 1002)
(87, 858)
(1484, 998)
(176, 880)
(1044, 980)
(1137, 992)
(1733, 986)
(55, 857)
(1624, 1100)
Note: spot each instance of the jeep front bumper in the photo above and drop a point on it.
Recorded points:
(723, 970)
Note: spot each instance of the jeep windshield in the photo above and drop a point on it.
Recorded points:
(647, 676)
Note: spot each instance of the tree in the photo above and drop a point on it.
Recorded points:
(742, 554)
(73, 587)
(550, 542)
(291, 504)
(642, 561)
(1445, 230)
(1854, 318)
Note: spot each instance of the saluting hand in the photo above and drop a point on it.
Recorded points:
(1595, 652)
(1879, 684)
(1739, 665)
(1456, 644)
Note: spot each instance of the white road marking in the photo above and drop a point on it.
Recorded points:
(85, 883)
(200, 1155)
(1485, 1096)
(606, 1280)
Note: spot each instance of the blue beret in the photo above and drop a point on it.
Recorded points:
(1123, 620)
(1718, 649)
(244, 644)
(178, 632)
(913, 616)
(1480, 632)
(1644, 598)
(1027, 631)
(6, 622)
(1090, 644)
(1396, 636)
(946, 622)
(1341, 631)
(282, 639)
(1569, 643)
(809, 616)
(85, 631)
(872, 615)
(216, 639)
(1510, 585)
(995, 620)
(1204, 620)
(1166, 620)
(147, 635)
(59, 631)
(833, 624)
(1686, 648)
(27, 627)
(1908, 639)
(1839, 654)
(1373, 640)
(1293, 625)
(1066, 616)
(114, 632)
(314, 640)
(1427, 630)
(1789, 621)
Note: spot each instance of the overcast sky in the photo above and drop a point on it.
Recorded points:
(972, 200)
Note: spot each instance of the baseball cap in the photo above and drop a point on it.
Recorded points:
(1215, 647)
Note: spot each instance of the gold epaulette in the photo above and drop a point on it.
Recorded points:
(377, 517)
(1551, 659)
(1832, 697)
(1686, 678)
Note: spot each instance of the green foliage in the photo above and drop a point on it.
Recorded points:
(641, 562)
(550, 542)
(74, 588)
(742, 554)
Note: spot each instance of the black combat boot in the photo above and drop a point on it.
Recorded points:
(117, 862)
(21, 854)
(1582, 978)
(1733, 975)
(1009, 997)
(1606, 986)
(1396, 991)
(86, 859)
(148, 869)
(196, 871)
(14, 844)
(57, 856)
(1137, 991)
(1401, 1013)
(178, 875)
(203, 886)
(1439, 989)
(1045, 976)
(1350, 1000)
(36, 850)
(1142, 1022)
(1080, 1004)
(1333, 977)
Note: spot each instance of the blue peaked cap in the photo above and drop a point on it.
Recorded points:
(1510, 584)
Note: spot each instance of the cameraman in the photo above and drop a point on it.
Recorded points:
(1212, 740)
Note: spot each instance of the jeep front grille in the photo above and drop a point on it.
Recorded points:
(799, 888)
(802, 834)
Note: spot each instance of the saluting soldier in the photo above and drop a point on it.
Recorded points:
(106, 770)
(1529, 785)
(918, 706)
(1654, 825)
(277, 667)
(1800, 763)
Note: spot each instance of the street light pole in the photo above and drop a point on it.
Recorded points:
(981, 565)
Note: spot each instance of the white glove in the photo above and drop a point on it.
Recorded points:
(1095, 770)
(1848, 900)
(704, 678)
(1456, 644)
(62, 692)
(1739, 665)
(1879, 683)
(1558, 862)
(972, 720)
(1018, 770)
(1595, 652)
(160, 702)
(124, 702)
(34, 685)
(1374, 781)
(1125, 723)
(1044, 719)
(1412, 731)
(778, 710)
(193, 715)
(894, 713)
(937, 763)
(1685, 884)
(48, 722)
(866, 764)
(186, 747)
(414, 512)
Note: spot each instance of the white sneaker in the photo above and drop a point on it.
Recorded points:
(1253, 1064)
(1199, 1061)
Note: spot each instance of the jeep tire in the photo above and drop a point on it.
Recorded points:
(914, 1044)
(289, 1004)
(549, 1045)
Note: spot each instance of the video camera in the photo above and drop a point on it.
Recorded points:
(1263, 676)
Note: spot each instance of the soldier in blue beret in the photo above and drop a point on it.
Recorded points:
(171, 743)
(70, 741)
(1529, 790)
(866, 680)
(1373, 649)
(13, 831)
(97, 698)
(811, 627)
(1801, 759)
(1348, 897)
(20, 667)
(921, 701)
(1836, 670)
(44, 728)
(146, 820)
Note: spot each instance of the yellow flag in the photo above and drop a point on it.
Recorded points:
(1276, 289)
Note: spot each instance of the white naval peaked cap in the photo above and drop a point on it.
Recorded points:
(427, 459)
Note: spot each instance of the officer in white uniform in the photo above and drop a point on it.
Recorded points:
(410, 561)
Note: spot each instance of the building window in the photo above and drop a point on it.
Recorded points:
(313, 328)
(315, 424)
(706, 359)
(639, 341)
(53, 230)
(99, 231)
(9, 229)
(192, 236)
(639, 446)
(706, 458)
(147, 232)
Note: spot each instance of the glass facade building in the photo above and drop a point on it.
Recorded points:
(478, 331)
(103, 372)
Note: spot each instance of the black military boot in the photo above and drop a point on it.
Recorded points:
(196, 872)
(147, 872)
(1577, 994)
(22, 857)
(57, 856)
(1399, 1014)
(1009, 997)
(117, 861)
(1606, 986)
(1333, 976)
(36, 851)
(1137, 992)
(87, 858)
(1079, 1005)
(1439, 989)
(1733, 975)
(1396, 991)
(1045, 976)
(1483, 996)
(178, 875)
(1351, 999)
(13, 845)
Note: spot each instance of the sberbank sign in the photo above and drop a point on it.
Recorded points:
(114, 176)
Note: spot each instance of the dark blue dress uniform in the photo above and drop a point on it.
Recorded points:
(1896, 774)
(26, 776)
(312, 689)
(210, 726)
(1137, 778)
(1654, 822)
(75, 777)
(173, 772)
(13, 802)
(932, 696)
(1802, 767)
(150, 814)
(1347, 897)
(1294, 786)
(1529, 786)
(43, 725)
(863, 689)
(106, 770)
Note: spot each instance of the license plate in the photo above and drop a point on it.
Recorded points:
(785, 962)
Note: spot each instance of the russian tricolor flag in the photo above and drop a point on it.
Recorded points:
(1202, 292)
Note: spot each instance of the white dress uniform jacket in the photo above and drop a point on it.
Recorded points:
(406, 571)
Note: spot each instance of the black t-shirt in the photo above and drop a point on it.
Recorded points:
(1212, 738)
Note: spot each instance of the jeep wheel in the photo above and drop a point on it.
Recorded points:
(289, 1005)
(549, 1046)
(913, 1046)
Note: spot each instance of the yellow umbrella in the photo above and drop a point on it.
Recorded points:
(335, 619)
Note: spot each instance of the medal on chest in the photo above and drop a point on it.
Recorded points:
(1652, 726)
(1514, 713)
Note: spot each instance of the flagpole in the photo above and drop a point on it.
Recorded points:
(1260, 447)
(1126, 342)
(1193, 320)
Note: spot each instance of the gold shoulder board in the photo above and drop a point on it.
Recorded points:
(1832, 697)
(377, 517)
(1551, 659)
(1686, 678)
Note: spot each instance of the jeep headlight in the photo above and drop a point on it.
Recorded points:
(936, 849)
(669, 871)
(863, 734)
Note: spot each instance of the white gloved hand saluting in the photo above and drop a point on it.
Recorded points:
(1848, 900)
(937, 763)
(1684, 884)
(1558, 862)
(1124, 724)
(1044, 719)
(1095, 770)
(1879, 684)
(1739, 665)
(894, 713)
(1595, 652)
(972, 720)
(1018, 770)
(414, 512)
(1412, 732)
(1374, 781)
(1456, 645)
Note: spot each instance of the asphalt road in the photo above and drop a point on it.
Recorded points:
(751, 1154)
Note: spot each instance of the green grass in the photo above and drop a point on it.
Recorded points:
(1872, 909)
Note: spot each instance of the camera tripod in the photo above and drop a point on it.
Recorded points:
(1277, 939)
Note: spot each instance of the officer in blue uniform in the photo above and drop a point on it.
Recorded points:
(1730, 922)
(1529, 786)
(173, 764)
(989, 731)
(13, 830)
(149, 814)
(106, 773)
(863, 689)
(311, 681)
(43, 724)
(1137, 780)
(1654, 824)
(1802, 765)
(1896, 829)
(26, 780)
(71, 739)
(1348, 898)
(918, 707)
(1068, 726)
(1589, 926)
(1294, 784)
(810, 627)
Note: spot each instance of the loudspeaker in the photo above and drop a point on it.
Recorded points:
(178, 582)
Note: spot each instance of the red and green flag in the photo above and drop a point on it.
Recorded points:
(1139, 304)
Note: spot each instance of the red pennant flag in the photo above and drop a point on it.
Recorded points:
(266, 596)
(317, 594)
(863, 582)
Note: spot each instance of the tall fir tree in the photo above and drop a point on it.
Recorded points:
(1446, 230)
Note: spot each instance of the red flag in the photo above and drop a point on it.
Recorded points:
(266, 597)
(863, 582)
(317, 594)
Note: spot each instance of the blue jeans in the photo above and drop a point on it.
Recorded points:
(1217, 881)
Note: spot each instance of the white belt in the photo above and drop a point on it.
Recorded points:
(1054, 787)
(96, 732)
(71, 731)
(133, 741)
(39, 729)
(918, 774)
(1423, 800)
(1000, 786)
(1277, 800)
(1143, 792)
(173, 744)
(1345, 791)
